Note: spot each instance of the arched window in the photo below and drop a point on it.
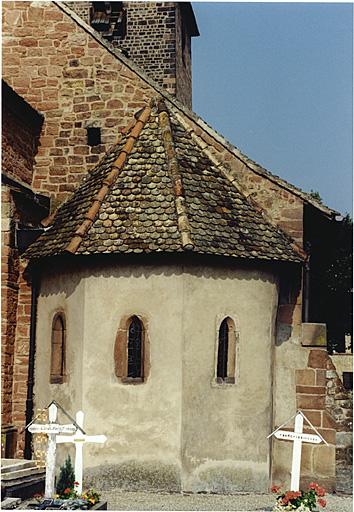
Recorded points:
(226, 353)
(131, 352)
(57, 362)
(135, 340)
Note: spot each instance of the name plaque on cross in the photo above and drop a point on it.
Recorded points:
(297, 437)
(291, 436)
(52, 430)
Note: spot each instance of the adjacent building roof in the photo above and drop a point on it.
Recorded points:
(157, 190)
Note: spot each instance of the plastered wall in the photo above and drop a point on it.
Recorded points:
(179, 429)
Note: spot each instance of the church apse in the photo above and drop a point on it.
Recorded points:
(179, 429)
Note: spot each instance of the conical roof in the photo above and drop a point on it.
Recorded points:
(157, 190)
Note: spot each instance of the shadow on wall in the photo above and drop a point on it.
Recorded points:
(289, 308)
(80, 267)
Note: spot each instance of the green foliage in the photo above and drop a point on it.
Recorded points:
(339, 272)
(316, 195)
(338, 278)
(66, 479)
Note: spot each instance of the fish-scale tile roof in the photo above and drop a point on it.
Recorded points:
(158, 191)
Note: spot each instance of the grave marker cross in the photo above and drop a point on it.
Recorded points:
(79, 438)
(298, 437)
(52, 429)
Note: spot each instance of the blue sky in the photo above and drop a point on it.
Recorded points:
(276, 80)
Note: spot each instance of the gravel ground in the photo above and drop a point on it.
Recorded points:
(123, 500)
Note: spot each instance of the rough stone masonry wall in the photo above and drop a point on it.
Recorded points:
(20, 129)
(64, 73)
(18, 143)
(152, 40)
(9, 293)
(22, 340)
(339, 402)
(324, 401)
(318, 461)
(82, 9)
(183, 61)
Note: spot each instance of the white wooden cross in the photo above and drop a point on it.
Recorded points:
(52, 429)
(298, 437)
(79, 439)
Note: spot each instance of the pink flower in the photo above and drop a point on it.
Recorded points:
(320, 491)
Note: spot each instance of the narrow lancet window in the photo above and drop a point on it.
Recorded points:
(223, 350)
(132, 350)
(135, 348)
(57, 367)
(226, 354)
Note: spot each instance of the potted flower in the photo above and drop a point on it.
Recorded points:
(301, 501)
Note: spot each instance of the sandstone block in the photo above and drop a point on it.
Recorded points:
(318, 358)
(311, 390)
(328, 421)
(28, 41)
(324, 460)
(306, 377)
(320, 377)
(316, 402)
(306, 458)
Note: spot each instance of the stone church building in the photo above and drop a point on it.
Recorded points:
(153, 276)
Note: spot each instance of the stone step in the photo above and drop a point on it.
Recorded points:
(21, 473)
(23, 487)
(10, 503)
(8, 465)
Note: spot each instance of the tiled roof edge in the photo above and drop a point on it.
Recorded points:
(110, 179)
(251, 164)
(231, 177)
(172, 164)
(194, 117)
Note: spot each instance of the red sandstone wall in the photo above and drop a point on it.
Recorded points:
(64, 73)
(154, 42)
(316, 397)
(21, 351)
(9, 292)
(18, 146)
